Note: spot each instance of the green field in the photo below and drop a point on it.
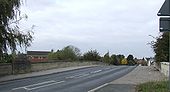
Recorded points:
(159, 86)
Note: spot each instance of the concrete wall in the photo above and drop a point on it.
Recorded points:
(165, 68)
(51, 65)
(6, 69)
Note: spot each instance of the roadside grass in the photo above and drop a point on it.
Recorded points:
(158, 86)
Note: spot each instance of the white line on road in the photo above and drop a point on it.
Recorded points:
(83, 75)
(93, 90)
(42, 83)
(36, 86)
(96, 71)
(45, 85)
(70, 77)
(19, 89)
(77, 76)
(107, 68)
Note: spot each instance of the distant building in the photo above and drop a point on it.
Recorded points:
(150, 61)
(38, 56)
(142, 62)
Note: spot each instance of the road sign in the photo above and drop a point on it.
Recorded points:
(165, 9)
(164, 24)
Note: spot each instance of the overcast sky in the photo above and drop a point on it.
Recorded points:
(117, 26)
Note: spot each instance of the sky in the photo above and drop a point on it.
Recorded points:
(117, 26)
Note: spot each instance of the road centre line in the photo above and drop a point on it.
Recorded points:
(76, 76)
(96, 71)
(70, 77)
(107, 68)
(45, 85)
(42, 83)
(83, 75)
(38, 85)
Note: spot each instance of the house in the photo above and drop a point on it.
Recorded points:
(38, 56)
(142, 62)
(150, 61)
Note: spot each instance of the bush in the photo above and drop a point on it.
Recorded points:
(7, 58)
(131, 60)
(91, 55)
(114, 60)
(161, 47)
(67, 53)
(106, 58)
(124, 61)
(159, 86)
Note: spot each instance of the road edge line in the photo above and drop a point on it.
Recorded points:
(93, 90)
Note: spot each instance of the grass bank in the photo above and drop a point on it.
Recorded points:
(159, 86)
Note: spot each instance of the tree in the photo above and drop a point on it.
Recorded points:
(113, 60)
(120, 58)
(7, 58)
(161, 47)
(130, 57)
(106, 58)
(124, 61)
(11, 36)
(67, 53)
(91, 55)
(54, 55)
(71, 53)
(75, 50)
(131, 60)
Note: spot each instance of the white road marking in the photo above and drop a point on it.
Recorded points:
(96, 71)
(45, 85)
(93, 90)
(107, 68)
(77, 76)
(42, 83)
(23, 89)
(83, 75)
(38, 85)
(70, 77)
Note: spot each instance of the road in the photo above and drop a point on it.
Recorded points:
(79, 80)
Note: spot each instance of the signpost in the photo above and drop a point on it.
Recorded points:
(164, 22)
(165, 9)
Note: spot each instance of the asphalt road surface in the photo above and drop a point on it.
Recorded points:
(79, 80)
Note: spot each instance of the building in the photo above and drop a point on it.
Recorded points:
(142, 62)
(38, 56)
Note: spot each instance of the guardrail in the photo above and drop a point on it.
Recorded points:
(165, 68)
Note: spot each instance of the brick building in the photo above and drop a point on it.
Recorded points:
(38, 56)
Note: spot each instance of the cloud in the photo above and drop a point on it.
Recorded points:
(120, 26)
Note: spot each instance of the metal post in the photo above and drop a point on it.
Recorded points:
(169, 52)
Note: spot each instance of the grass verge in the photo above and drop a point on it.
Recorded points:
(158, 86)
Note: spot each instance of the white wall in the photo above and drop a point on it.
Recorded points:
(165, 68)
